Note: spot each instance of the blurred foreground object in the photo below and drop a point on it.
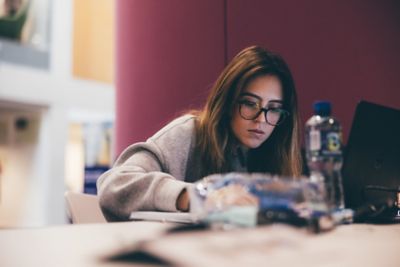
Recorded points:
(245, 200)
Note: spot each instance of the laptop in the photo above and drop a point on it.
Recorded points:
(371, 167)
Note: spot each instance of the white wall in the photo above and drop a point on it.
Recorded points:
(61, 98)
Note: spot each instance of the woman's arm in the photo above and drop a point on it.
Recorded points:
(149, 175)
(138, 183)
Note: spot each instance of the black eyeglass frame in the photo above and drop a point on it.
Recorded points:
(283, 112)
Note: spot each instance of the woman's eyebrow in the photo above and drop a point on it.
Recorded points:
(278, 101)
(250, 94)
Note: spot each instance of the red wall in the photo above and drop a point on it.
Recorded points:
(170, 52)
(342, 51)
(168, 55)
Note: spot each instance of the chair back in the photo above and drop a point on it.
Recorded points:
(83, 208)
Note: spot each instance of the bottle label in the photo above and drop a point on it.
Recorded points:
(332, 144)
(327, 143)
(333, 141)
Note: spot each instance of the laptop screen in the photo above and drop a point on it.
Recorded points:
(371, 168)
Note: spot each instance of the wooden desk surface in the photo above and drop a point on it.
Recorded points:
(277, 245)
(71, 245)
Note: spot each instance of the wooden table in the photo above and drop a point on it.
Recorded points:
(276, 245)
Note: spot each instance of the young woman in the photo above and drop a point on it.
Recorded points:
(249, 123)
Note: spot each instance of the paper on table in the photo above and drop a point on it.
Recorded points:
(176, 217)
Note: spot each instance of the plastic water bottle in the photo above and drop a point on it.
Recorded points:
(323, 143)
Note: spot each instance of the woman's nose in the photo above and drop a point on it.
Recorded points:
(262, 116)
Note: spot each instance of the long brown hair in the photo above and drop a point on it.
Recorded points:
(280, 153)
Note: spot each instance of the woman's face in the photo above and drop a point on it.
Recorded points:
(264, 92)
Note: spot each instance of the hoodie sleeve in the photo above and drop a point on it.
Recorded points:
(146, 176)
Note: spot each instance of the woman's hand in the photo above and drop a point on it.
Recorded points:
(182, 203)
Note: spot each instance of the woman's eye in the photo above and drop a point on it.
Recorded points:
(276, 110)
(250, 104)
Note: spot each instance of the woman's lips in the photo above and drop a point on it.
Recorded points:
(256, 131)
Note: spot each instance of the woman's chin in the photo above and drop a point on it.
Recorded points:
(252, 144)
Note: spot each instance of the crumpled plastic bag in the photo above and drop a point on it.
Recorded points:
(242, 199)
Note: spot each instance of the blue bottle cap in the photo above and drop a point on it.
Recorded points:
(322, 108)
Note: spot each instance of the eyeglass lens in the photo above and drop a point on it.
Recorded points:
(273, 116)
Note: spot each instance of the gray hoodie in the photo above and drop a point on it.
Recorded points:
(150, 175)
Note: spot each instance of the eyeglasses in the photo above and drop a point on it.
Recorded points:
(250, 110)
